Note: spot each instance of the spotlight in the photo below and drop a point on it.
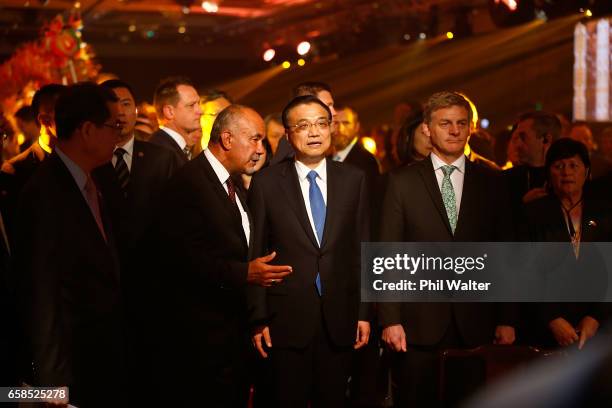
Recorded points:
(182, 30)
(210, 6)
(132, 28)
(301, 62)
(422, 36)
(484, 123)
(450, 35)
(588, 13)
(269, 54)
(286, 64)
(303, 48)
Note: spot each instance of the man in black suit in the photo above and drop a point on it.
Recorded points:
(533, 134)
(442, 198)
(177, 104)
(313, 211)
(205, 236)
(132, 181)
(66, 259)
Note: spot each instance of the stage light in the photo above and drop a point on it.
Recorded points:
(132, 28)
(269, 54)
(484, 123)
(422, 36)
(150, 34)
(77, 5)
(511, 4)
(301, 62)
(185, 10)
(286, 64)
(407, 37)
(588, 13)
(450, 35)
(303, 48)
(369, 144)
(210, 6)
(182, 30)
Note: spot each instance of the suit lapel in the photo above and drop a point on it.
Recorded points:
(233, 213)
(334, 186)
(431, 184)
(291, 186)
(469, 197)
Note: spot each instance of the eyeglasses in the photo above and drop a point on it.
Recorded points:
(305, 126)
(118, 127)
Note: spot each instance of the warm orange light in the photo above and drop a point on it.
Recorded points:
(286, 64)
(369, 144)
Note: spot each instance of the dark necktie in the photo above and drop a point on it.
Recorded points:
(231, 190)
(121, 168)
(94, 204)
(187, 151)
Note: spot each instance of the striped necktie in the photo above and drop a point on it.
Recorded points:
(121, 169)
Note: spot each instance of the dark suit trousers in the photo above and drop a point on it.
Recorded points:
(417, 373)
(317, 373)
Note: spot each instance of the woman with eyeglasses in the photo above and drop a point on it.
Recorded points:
(569, 214)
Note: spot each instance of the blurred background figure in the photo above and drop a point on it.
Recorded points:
(28, 126)
(404, 112)
(212, 101)
(264, 161)
(146, 122)
(413, 144)
(581, 132)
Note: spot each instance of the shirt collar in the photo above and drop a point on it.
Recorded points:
(303, 170)
(180, 140)
(459, 164)
(128, 147)
(341, 155)
(77, 173)
(218, 168)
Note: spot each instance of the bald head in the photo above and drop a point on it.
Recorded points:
(236, 139)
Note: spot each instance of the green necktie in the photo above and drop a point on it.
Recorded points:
(448, 196)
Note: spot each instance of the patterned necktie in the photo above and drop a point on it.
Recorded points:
(231, 190)
(94, 203)
(187, 151)
(318, 210)
(121, 168)
(448, 196)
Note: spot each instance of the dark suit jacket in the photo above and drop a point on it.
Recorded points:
(413, 211)
(364, 160)
(131, 214)
(69, 289)
(545, 222)
(202, 275)
(163, 139)
(282, 225)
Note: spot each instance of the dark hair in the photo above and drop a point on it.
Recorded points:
(166, 93)
(225, 120)
(442, 100)
(405, 143)
(214, 94)
(543, 123)
(80, 103)
(273, 117)
(113, 84)
(26, 113)
(302, 100)
(310, 88)
(565, 148)
(46, 98)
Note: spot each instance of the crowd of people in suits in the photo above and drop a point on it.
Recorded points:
(142, 272)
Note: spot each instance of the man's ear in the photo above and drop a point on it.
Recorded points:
(168, 111)
(226, 140)
(86, 130)
(426, 129)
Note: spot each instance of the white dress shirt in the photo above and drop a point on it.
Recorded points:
(176, 136)
(223, 176)
(341, 155)
(321, 180)
(127, 156)
(456, 177)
